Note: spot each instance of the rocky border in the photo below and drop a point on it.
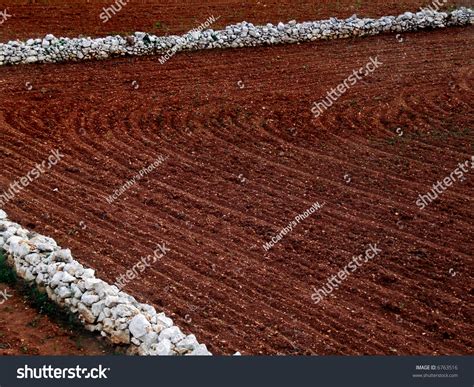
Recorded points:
(101, 307)
(51, 49)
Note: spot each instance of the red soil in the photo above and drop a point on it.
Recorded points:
(35, 18)
(24, 331)
(245, 161)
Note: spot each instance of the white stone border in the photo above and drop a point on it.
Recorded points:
(51, 49)
(101, 307)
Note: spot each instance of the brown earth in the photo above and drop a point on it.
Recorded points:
(25, 331)
(245, 156)
(36, 18)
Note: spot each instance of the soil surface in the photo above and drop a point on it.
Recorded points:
(245, 156)
(24, 331)
(36, 18)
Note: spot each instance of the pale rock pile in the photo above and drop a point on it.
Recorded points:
(51, 49)
(99, 306)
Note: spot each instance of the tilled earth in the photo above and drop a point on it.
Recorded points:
(25, 331)
(36, 18)
(244, 157)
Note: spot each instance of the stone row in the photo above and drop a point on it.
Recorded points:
(101, 307)
(51, 49)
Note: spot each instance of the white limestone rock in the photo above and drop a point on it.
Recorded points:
(139, 326)
(166, 321)
(63, 255)
(188, 343)
(201, 350)
(89, 299)
(173, 334)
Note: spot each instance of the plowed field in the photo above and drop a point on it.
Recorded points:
(244, 157)
(33, 18)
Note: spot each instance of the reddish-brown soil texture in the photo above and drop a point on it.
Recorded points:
(245, 156)
(33, 18)
(24, 331)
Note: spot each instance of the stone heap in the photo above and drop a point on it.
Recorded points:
(51, 49)
(101, 307)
